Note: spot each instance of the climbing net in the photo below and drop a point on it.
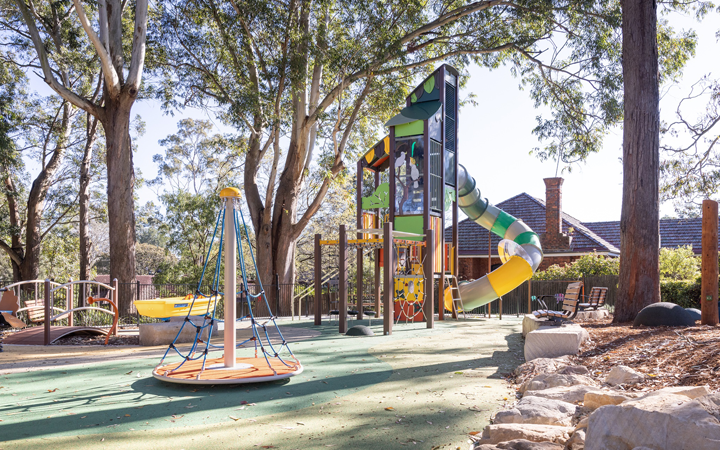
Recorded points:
(409, 282)
(204, 325)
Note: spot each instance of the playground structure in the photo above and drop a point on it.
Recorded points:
(39, 310)
(268, 363)
(415, 184)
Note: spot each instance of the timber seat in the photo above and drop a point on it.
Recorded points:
(35, 310)
(570, 301)
(596, 299)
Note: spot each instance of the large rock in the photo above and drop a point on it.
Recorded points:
(539, 410)
(555, 341)
(360, 330)
(496, 433)
(576, 441)
(519, 444)
(658, 422)
(664, 314)
(594, 400)
(592, 314)
(532, 323)
(551, 380)
(623, 375)
(542, 365)
(687, 391)
(570, 394)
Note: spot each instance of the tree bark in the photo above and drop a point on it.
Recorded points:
(121, 204)
(84, 199)
(639, 282)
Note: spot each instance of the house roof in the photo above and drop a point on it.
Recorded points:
(673, 232)
(473, 239)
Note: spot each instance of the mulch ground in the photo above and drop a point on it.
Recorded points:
(87, 339)
(669, 356)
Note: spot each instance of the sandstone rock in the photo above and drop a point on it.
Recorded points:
(623, 375)
(539, 410)
(658, 422)
(551, 380)
(570, 394)
(494, 434)
(541, 365)
(552, 342)
(574, 370)
(594, 400)
(576, 441)
(687, 391)
(583, 423)
(592, 314)
(520, 444)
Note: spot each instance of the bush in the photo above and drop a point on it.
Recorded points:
(685, 293)
(679, 263)
(587, 265)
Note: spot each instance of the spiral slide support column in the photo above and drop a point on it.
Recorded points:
(518, 267)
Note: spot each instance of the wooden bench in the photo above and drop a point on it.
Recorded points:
(570, 302)
(35, 310)
(596, 299)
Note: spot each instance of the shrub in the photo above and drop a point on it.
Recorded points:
(587, 265)
(685, 293)
(679, 263)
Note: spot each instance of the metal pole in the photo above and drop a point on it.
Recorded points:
(277, 298)
(429, 279)
(229, 195)
(342, 276)
(318, 280)
(529, 311)
(115, 295)
(388, 272)
(48, 311)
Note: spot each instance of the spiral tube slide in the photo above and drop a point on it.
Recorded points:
(520, 251)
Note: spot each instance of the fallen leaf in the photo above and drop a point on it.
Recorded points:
(389, 408)
(129, 373)
(300, 423)
(474, 433)
(458, 373)
(235, 418)
(127, 415)
(52, 390)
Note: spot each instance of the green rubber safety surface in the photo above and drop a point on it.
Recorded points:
(417, 385)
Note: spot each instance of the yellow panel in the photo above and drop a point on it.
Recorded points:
(370, 155)
(230, 192)
(175, 306)
(386, 141)
(410, 289)
(510, 275)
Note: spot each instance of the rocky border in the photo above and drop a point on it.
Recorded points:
(562, 407)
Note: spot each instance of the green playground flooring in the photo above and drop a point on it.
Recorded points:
(417, 387)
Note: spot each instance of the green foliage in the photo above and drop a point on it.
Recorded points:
(679, 263)
(587, 265)
(58, 259)
(685, 293)
(149, 258)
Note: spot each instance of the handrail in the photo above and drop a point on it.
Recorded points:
(113, 329)
(70, 283)
(27, 282)
(81, 308)
(36, 307)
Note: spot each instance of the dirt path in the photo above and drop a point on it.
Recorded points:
(419, 388)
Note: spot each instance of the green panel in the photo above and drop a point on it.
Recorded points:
(409, 129)
(413, 97)
(429, 84)
(528, 237)
(450, 197)
(379, 199)
(409, 224)
(503, 221)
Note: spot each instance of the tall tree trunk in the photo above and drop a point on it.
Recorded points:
(84, 199)
(639, 283)
(120, 183)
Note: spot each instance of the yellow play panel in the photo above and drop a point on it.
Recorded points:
(176, 306)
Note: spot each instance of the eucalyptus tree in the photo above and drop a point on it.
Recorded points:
(195, 166)
(52, 30)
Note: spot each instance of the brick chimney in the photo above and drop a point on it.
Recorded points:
(554, 238)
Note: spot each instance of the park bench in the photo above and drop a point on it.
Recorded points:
(596, 299)
(570, 302)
